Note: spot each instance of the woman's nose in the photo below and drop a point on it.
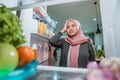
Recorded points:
(70, 28)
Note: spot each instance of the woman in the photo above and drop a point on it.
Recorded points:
(76, 49)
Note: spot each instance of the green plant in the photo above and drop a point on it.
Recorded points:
(10, 27)
(100, 53)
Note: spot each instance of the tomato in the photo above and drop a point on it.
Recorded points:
(8, 58)
(26, 55)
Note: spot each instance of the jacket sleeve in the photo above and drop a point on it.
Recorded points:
(92, 52)
(56, 41)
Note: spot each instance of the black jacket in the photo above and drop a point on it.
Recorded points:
(86, 51)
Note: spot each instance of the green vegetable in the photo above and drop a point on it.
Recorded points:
(10, 28)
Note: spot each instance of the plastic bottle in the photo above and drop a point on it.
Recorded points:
(34, 46)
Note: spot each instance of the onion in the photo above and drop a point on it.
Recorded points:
(100, 74)
(92, 65)
(113, 64)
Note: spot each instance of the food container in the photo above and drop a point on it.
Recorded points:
(21, 73)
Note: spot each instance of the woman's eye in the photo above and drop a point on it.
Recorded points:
(73, 25)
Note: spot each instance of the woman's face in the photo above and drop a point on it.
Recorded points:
(72, 29)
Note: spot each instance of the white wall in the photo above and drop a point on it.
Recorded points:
(110, 13)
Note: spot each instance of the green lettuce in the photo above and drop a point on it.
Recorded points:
(10, 27)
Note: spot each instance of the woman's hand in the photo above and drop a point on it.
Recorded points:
(64, 28)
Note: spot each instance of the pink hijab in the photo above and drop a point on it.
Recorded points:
(75, 42)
